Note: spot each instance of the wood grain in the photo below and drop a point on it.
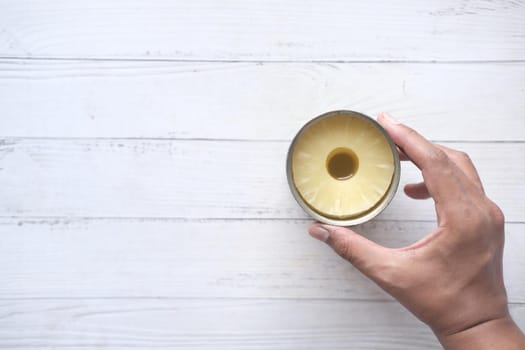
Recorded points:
(119, 258)
(143, 202)
(212, 324)
(289, 30)
(199, 179)
(255, 101)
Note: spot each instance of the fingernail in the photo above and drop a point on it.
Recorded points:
(319, 233)
(390, 119)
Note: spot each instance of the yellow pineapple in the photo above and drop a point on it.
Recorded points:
(342, 165)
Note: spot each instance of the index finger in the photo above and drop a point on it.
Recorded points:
(463, 161)
(444, 180)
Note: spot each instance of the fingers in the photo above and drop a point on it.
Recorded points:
(402, 155)
(463, 161)
(364, 254)
(422, 152)
(444, 180)
(417, 191)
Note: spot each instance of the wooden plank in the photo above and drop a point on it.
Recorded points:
(199, 179)
(215, 324)
(254, 101)
(161, 258)
(212, 324)
(289, 30)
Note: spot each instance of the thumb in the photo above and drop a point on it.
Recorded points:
(367, 256)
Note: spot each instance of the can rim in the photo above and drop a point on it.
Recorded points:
(379, 207)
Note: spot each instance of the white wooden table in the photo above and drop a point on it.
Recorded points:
(143, 199)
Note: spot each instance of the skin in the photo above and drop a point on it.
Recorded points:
(452, 279)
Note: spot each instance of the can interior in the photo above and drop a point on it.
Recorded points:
(342, 163)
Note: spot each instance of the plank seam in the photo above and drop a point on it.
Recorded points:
(244, 60)
(186, 219)
(211, 139)
(357, 300)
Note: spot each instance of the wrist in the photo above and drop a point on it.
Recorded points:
(499, 333)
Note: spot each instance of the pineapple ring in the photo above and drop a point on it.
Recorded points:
(342, 165)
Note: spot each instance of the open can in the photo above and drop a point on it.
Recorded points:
(343, 168)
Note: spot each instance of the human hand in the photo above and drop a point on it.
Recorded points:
(451, 279)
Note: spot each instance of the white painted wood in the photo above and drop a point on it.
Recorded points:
(255, 101)
(213, 324)
(161, 258)
(88, 90)
(200, 179)
(269, 30)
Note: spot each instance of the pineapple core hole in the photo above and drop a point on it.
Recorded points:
(342, 163)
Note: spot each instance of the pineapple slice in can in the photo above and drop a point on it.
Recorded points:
(343, 168)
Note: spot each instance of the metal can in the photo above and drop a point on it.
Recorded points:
(343, 168)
